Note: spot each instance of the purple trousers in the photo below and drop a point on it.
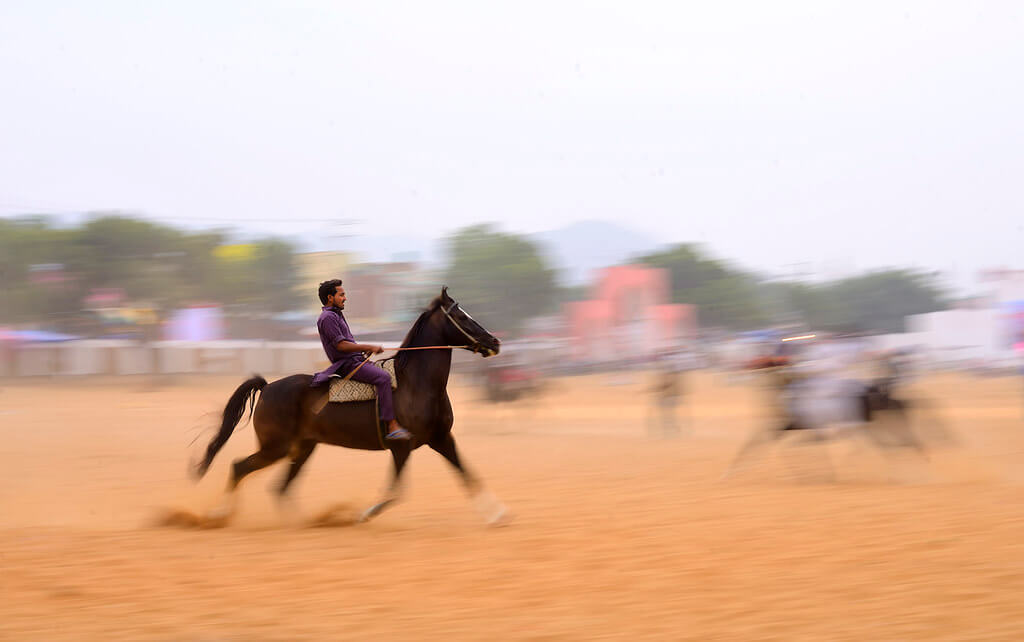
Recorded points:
(381, 380)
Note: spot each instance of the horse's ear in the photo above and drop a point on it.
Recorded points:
(444, 292)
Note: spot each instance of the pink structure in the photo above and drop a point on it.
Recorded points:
(197, 323)
(629, 315)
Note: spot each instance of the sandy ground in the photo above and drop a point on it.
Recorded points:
(616, 534)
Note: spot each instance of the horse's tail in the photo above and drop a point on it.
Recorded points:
(233, 412)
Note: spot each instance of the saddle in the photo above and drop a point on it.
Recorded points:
(342, 391)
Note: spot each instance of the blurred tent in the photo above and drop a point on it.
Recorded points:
(195, 324)
(35, 336)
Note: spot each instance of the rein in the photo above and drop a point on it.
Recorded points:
(320, 405)
(370, 356)
(424, 348)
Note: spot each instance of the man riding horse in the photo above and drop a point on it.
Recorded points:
(291, 416)
(347, 356)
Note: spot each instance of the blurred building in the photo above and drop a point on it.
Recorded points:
(195, 323)
(317, 267)
(987, 330)
(1003, 285)
(382, 297)
(385, 296)
(629, 315)
(48, 273)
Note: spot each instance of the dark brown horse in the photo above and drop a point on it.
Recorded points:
(290, 418)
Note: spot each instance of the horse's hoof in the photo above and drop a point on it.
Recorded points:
(502, 517)
(215, 519)
(289, 511)
(373, 511)
(219, 516)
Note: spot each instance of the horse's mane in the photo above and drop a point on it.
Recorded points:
(417, 327)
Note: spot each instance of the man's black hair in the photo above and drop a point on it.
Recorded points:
(328, 288)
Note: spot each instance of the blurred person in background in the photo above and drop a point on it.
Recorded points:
(667, 392)
(347, 356)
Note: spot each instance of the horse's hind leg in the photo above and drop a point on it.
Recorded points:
(492, 510)
(820, 439)
(300, 453)
(262, 458)
(896, 422)
(758, 439)
(906, 431)
(265, 456)
(400, 454)
(907, 438)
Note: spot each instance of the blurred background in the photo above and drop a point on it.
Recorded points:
(651, 176)
(117, 294)
(639, 199)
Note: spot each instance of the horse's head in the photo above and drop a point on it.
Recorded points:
(462, 328)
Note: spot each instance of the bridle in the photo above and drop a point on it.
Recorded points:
(474, 343)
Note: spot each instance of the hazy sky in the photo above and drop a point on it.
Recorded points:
(845, 134)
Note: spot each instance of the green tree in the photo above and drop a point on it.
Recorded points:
(136, 256)
(724, 296)
(26, 242)
(503, 278)
(876, 301)
(151, 263)
(261, 277)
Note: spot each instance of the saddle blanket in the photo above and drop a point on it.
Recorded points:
(342, 391)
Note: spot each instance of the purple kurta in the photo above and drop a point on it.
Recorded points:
(333, 328)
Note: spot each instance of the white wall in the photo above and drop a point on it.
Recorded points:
(961, 334)
(897, 341)
(104, 357)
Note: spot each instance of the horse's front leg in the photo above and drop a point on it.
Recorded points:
(400, 454)
(490, 508)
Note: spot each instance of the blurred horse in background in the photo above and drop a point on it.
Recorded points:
(826, 408)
